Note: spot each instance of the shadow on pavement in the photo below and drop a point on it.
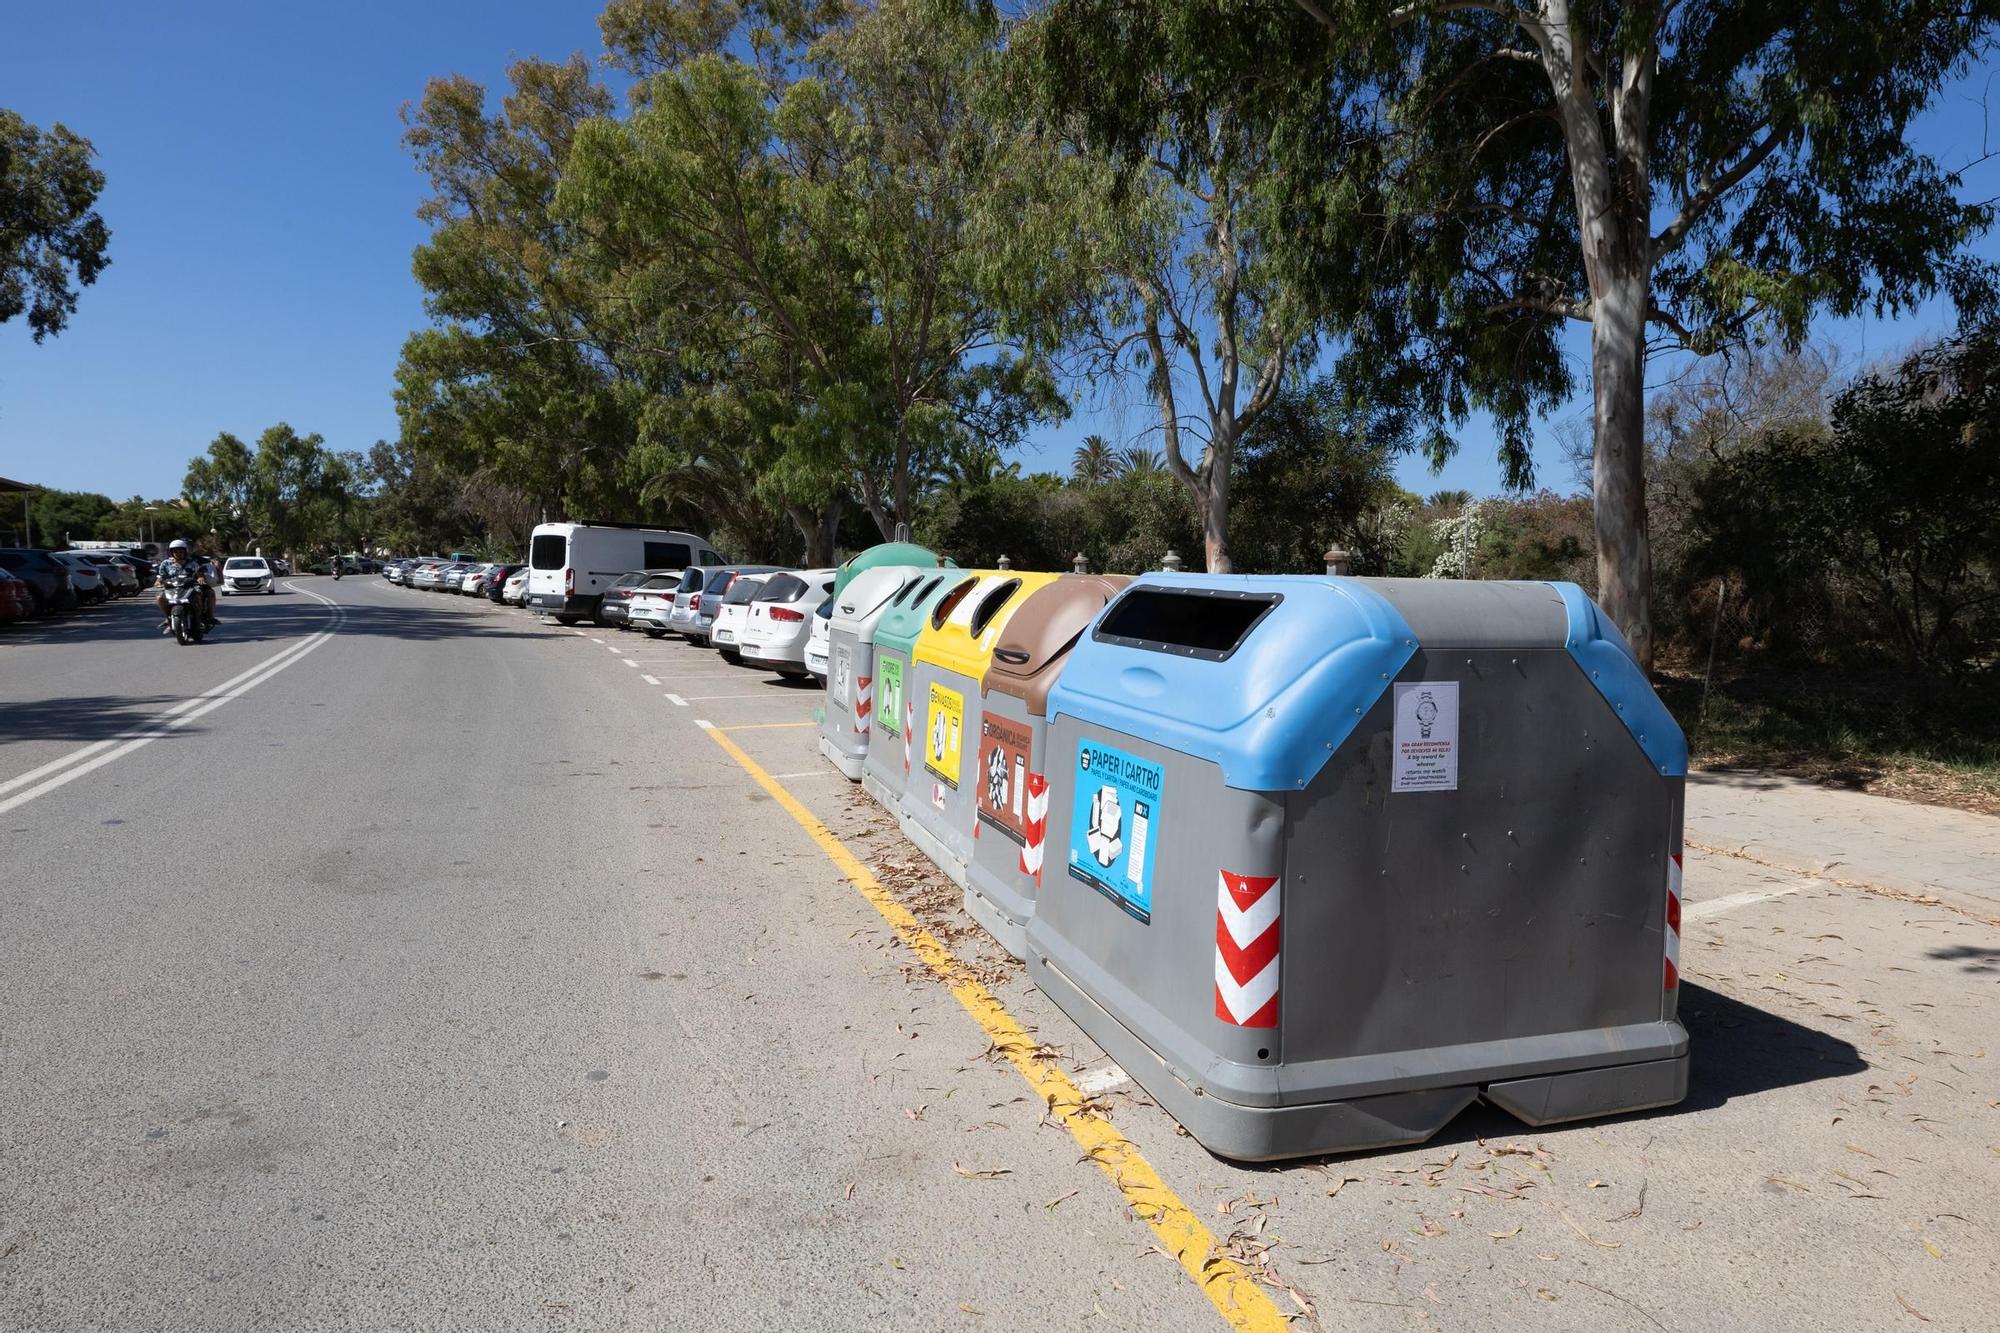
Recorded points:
(1977, 958)
(85, 717)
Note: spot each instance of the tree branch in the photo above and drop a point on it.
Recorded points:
(1710, 190)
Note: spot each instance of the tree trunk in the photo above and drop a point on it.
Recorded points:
(807, 522)
(829, 533)
(871, 500)
(1618, 460)
(1213, 502)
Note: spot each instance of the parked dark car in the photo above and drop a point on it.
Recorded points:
(47, 577)
(496, 579)
(616, 606)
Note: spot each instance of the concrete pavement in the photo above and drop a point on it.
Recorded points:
(501, 996)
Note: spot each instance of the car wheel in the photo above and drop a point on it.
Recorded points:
(566, 620)
(656, 634)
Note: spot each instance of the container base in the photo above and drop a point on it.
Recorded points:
(850, 765)
(1356, 1124)
(888, 798)
(1002, 925)
(932, 846)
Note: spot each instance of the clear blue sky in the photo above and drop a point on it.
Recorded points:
(263, 216)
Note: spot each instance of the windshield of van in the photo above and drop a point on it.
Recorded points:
(548, 551)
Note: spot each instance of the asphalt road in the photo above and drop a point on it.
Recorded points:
(408, 963)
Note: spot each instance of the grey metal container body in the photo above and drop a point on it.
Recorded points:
(935, 814)
(890, 761)
(844, 739)
(1503, 939)
(999, 892)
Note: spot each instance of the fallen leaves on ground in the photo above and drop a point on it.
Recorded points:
(982, 1173)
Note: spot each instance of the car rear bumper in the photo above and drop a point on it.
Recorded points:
(555, 604)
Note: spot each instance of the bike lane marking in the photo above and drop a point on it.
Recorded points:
(178, 716)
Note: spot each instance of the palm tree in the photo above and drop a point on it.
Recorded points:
(1139, 461)
(1093, 464)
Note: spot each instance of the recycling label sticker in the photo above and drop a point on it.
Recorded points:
(944, 734)
(889, 700)
(843, 674)
(1004, 746)
(1116, 800)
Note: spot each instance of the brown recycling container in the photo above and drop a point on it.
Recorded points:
(1010, 783)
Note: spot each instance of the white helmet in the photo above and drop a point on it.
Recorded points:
(177, 545)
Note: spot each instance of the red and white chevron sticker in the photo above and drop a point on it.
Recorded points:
(1246, 949)
(864, 703)
(1673, 973)
(909, 725)
(1037, 826)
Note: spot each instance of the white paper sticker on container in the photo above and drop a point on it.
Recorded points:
(1425, 739)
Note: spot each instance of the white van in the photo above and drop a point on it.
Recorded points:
(571, 564)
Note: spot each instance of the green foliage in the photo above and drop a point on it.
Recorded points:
(52, 240)
(65, 516)
(1094, 462)
(288, 495)
(1885, 522)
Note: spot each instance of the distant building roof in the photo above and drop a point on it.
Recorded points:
(6, 485)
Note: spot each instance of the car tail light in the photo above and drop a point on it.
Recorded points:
(694, 602)
(569, 581)
(787, 615)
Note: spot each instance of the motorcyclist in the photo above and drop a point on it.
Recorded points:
(180, 562)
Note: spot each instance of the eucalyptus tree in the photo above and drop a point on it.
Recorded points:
(1159, 197)
(52, 238)
(1679, 175)
(795, 202)
(528, 374)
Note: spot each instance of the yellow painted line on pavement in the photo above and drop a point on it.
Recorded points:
(1228, 1286)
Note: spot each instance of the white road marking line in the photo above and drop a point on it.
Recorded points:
(1730, 902)
(766, 694)
(650, 680)
(209, 703)
(181, 707)
(629, 662)
(614, 648)
(594, 639)
(809, 773)
(679, 702)
(1101, 1080)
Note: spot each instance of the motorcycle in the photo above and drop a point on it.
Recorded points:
(184, 610)
(337, 571)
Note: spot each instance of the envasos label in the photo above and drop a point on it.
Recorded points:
(944, 734)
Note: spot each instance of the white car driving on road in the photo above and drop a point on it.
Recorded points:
(248, 573)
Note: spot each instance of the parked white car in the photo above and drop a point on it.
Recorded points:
(731, 615)
(820, 645)
(86, 578)
(248, 573)
(775, 633)
(516, 588)
(117, 572)
(651, 604)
